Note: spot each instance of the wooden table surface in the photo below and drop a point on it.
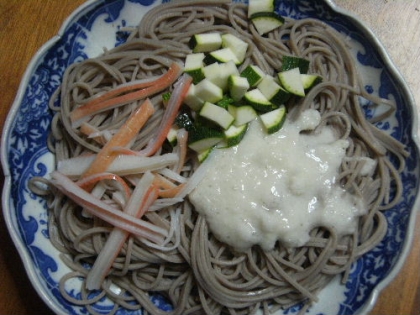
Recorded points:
(25, 25)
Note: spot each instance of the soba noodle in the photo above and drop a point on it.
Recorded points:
(195, 272)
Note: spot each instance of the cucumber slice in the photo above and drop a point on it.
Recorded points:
(219, 73)
(258, 101)
(255, 6)
(290, 62)
(194, 64)
(202, 138)
(237, 86)
(225, 102)
(208, 91)
(201, 156)
(192, 100)
(310, 80)
(236, 45)
(274, 120)
(212, 73)
(172, 135)
(204, 144)
(235, 134)
(292, 82)
(242, 114)
(253, 74)
(273, 91)
(265, 22)
(221, 55)
(205, 42)
(226, 70)
(217, 114)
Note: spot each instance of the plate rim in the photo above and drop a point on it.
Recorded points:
(403, 84)
(10, 220)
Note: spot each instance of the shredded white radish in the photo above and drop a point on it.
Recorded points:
(164, 202)
(97, 192)
(117, 237)
(168, 173)
(195, 179)
(122, 165)
(106, 212)
(181, 149)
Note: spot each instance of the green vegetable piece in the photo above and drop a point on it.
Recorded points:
(235, 134)
(274, 120)
(290, 62)
(253, 74)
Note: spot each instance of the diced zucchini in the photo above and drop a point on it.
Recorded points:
(192, 100)
(291, 62)
(235, 134)
(205, 42)
(274, 120)
(219, 73)
(310, 80)
(225, 102)
(265, 22)
(217, 114)
(236, 45)
(237, 86)
(208, 91)
(194, 64)
(221, 55)
(258, 101)
(212, 73)
(202, 138)
(255, 6)
(253, 74)
(201, 156)
(172, 135)
(204, 144)
(226, 70)
(242, 114)
(273, 91)
(292, 82)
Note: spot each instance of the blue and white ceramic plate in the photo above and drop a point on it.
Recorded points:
(96, 25)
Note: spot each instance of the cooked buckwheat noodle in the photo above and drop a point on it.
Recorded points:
(195, 272)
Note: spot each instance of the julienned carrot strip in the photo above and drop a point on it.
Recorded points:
(106, 212)
(143, 197)
(151, 195)
(171, 192)
(87, 129)
(123, 137)
(94, 179)
(124, 151)
(176, 100)
(135, 85)
(163, 182)
(167, 189)
(94, 133)
(89, 109)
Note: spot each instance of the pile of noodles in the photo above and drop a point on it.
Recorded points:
(196, 273)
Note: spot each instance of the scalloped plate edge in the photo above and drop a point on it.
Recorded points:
(10, 220)
(415, 137)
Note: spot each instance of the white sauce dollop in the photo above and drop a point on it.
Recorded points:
(277, 187)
